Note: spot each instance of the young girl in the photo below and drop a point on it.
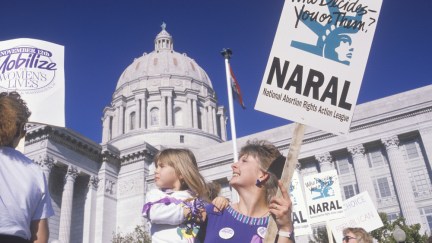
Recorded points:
(174, 209)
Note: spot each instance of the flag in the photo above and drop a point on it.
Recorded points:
(237, 95)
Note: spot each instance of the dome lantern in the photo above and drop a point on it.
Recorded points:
(163, 40)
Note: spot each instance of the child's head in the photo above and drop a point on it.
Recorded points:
(13, 116)
(177, 169)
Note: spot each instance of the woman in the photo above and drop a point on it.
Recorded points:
(246, 221)
(25, 203)
(356, 235)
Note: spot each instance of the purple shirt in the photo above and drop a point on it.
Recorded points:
(231, 226)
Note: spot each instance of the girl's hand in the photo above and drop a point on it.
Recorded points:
(281, 210)
(220, 203)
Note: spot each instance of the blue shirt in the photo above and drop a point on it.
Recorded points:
(232, 226)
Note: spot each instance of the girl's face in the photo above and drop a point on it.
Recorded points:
(166, 177)
(246, 171)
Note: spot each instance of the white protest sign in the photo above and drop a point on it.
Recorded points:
(323, 196)
(316, 65)
(360, 212)
(35, 69)
(300, 215)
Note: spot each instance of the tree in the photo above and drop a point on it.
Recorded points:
(320, 236)
(139, 235)
(384, 234)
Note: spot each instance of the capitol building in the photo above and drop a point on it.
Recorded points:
(164, 99)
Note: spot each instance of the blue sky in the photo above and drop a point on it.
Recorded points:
(102, 38)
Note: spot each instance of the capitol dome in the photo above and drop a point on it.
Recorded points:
(163, 61)
(164, 95)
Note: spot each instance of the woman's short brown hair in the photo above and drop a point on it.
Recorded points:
(14, 114)
(361, 234)
(266, 153)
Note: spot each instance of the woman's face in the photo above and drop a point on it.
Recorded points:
(344, 51)
(349, 238)
(246, 171)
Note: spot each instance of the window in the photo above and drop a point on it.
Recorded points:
(427, 212)
(383, 187)
(411, 150)
(420, 181)
(181, 138)
(200, 120)
(349, 191)
(392, 217)
(132, 121)
(376, 158)
(154, 117)
(110, 127)
(343, 166)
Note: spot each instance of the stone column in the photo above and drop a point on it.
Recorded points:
(195, 113)
(223, 125)
(138, 104)
(189, 112)
(209, 119)
(90, 211)
(121, 120)
(163, 112)
(205, 120)
(214, 120)
(402, 183)
(144, 112)
(426, 138)
(361, 166)
(46, 163)
(66, 205)
(170, 111)
(325, 161)
(105, 128)
(118, 123)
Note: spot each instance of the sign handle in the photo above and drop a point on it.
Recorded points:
(287, 174)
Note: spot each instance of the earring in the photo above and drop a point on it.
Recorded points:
(259, 183)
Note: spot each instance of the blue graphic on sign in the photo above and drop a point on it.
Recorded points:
(332, 30)
(324, 188)
(293, 187)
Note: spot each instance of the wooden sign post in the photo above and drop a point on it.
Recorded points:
(287, 174)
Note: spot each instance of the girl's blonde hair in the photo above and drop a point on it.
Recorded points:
(14, 115)
(185, 165)
(265, 152)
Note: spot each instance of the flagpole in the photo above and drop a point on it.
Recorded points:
(226, 52)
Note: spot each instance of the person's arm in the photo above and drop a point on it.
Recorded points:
(39, 231)
(281, 210)
(162, 209)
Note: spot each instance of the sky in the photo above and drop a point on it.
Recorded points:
(102, 38)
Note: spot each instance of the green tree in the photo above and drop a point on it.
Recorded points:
(385, 233)
(320, 236)
(139, 235)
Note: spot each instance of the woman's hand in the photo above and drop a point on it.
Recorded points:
(220, 203)
(281, 210)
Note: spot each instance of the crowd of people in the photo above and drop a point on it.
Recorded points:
(183, 207)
